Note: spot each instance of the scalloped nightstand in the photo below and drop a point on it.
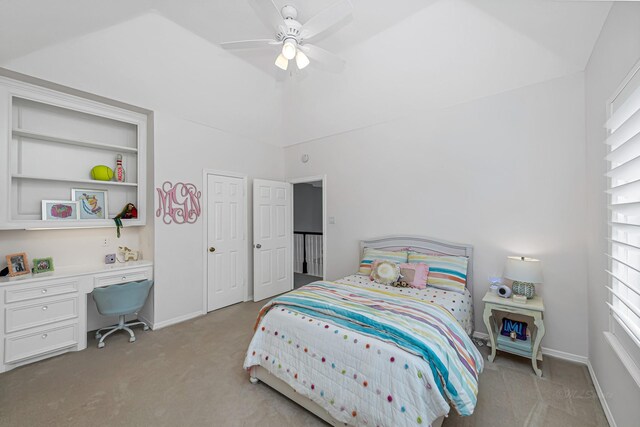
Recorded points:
(533, 308)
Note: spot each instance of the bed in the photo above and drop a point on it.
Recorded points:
(352, 352)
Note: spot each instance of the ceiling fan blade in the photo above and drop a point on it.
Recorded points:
(329, 61)
(249, 44)
(326, 19)
(268, 12)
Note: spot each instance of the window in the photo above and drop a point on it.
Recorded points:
(623, 188)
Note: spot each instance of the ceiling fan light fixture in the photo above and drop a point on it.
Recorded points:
(289, 48)
(301, 60)
(282, 62)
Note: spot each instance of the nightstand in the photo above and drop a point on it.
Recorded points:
(533, 308)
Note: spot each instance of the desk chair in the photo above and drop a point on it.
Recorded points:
(120, 300)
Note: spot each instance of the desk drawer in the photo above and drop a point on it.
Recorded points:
(33, 292)
(122, 277)
(22, 317)
(25, 346)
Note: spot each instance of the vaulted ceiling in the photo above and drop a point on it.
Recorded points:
(403, 57)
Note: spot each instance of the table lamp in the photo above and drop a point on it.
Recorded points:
(525, 273)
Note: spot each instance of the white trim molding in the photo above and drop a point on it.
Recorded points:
(176, 320)
(546, 351)
(325, 230)
(601, 396)
(624, 356)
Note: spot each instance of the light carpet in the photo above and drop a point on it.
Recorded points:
(191, 374)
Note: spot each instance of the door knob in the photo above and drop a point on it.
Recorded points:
(212, 249)
(258, 246)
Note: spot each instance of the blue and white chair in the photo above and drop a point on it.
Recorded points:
(120, 300)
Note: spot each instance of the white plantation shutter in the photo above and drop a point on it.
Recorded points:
(623, 188)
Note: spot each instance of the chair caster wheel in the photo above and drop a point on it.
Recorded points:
(132, 339)
(145, 328)
(253, 380)
(100, 345)
(98, 336)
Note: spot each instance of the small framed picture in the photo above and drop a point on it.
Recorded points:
(60, 210)
(42, 265)
(93, 203)
(18, 264)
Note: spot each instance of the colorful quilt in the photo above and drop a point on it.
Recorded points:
(435, 356)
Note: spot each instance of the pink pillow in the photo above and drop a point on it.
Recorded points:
(415, 275)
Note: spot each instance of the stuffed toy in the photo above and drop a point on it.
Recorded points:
(129, 212)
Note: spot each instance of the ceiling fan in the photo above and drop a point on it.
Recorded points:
(294, 36)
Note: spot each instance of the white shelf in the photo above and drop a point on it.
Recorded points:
(52, 140)
(76, 224)
(75, 181)
(109, 147)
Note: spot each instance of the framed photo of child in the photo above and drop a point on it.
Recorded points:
(42, 265)
(18, 264)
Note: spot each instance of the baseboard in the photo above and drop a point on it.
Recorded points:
(546, 351)
(601, 397)
(564, 355)
(175, 320)
(147, 321)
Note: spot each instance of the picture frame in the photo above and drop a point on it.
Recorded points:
(18, 264)
(42, 265)
(60, 210)
(93, 204)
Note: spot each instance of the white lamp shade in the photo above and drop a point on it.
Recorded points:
(301, 60)
(523, 269)
(289, 49)
(282, 62)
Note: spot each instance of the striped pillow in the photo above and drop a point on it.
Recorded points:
(445, 272)
(370, 255)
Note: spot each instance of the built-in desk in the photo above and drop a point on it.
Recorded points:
(45, 314)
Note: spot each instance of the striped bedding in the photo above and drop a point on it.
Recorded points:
(370, 255)
(368, 356)
(448, 273)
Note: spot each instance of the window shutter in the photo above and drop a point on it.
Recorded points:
(623, 188)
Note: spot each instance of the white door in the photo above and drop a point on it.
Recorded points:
(272, 238)
(226, 244)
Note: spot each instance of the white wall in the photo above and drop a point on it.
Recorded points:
(307, 208)
(616, 51)
(154, 63)
(203, 98)
(504, 173)
(182, 150)
(68, 247)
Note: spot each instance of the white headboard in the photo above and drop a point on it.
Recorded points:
(425, 245)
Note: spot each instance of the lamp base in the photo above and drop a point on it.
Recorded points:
(524, 288)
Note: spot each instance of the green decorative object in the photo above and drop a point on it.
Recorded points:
(42, 265)
(524, 288)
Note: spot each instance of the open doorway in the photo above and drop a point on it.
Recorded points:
(308, 232)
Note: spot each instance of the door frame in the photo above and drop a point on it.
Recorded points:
(205, 235)
(303, 180)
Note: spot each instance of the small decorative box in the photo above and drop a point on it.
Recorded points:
(509, 327)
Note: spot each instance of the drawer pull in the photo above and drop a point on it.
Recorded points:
(44, 291)
(124, 277)
(44, 336)
(44, 308)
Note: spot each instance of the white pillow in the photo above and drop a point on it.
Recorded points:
(385, 272)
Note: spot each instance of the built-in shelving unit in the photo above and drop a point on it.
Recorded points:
(50, 143)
